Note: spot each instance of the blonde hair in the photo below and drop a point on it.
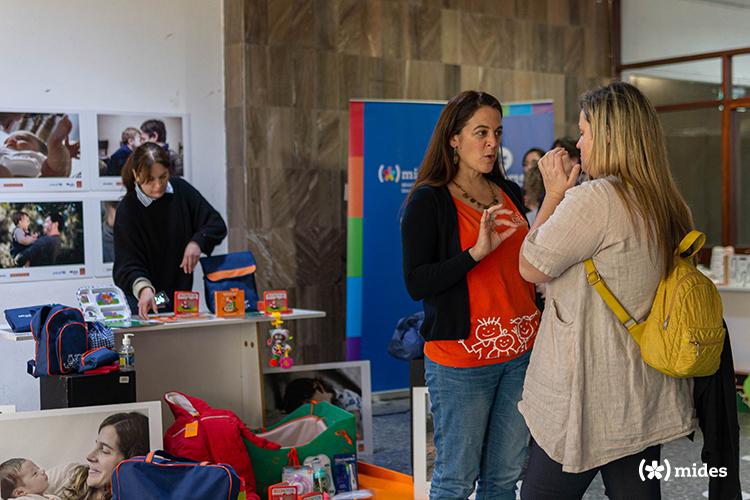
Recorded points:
(628, 143)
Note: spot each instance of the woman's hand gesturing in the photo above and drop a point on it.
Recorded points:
(558, 172)
(489, 238)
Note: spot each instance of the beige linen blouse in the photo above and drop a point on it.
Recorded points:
(588, 398)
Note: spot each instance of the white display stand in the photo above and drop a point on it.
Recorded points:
(736, 302)
(215, 359)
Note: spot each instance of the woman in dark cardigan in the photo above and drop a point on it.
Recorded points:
(162, 226)
(461, 233)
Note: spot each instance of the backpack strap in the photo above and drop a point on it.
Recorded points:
(693, 240)
(594, 279)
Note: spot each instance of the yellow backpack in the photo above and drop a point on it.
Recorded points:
(683, 334)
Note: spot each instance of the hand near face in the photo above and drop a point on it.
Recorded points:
(190, 258)
(489, 238)
(558, 172)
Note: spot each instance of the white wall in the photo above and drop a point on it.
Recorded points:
(656, 29)
(114, 56)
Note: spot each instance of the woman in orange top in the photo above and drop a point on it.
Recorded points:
(461, 234)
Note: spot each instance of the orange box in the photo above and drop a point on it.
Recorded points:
(230, 303)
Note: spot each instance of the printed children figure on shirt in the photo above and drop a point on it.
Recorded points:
(491, 341)
(22, 238)
(525, 327)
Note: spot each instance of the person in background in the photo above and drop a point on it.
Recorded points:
(155, 131)
(130, 139)
(530, 158)
(162, 226)
(591, 403)
(533, 193)
(461, 232)
(121, 436)
(108, 230)
(21, 239)
(45, 250)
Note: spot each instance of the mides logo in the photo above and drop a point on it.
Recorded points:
(657, 470)
(389, 173)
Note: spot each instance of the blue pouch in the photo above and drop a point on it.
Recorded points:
(94, 358)
(160, 476)
(19, 318)
(233, 270)
(406, 342)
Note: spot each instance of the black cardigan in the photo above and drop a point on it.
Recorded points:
(716, 407)
(434, 266)
(150, 241)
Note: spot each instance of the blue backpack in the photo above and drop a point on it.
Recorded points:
(233, 270)
(61, 338)
(160, 476)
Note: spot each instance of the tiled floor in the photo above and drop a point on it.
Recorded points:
(392, 418)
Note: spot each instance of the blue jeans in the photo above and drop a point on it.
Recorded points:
(479, 434)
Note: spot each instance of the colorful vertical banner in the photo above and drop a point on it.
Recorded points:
(387, 141)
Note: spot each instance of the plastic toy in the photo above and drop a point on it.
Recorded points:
(278, 341)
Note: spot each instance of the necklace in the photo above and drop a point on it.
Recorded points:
(481, 205)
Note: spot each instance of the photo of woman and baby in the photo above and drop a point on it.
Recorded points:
(77, 463)
(41, 234)
(39, 145)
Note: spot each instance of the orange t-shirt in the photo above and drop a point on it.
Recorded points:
(504, 316)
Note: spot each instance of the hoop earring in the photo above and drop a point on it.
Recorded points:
(455, 156)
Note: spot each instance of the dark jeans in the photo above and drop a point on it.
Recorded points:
(545, 479)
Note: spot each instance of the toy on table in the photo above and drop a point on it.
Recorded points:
(278, 341)
(186, 303)
(103, 303)
(274, 301)
(230, 303)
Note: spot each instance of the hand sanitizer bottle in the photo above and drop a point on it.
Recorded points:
(127, 354)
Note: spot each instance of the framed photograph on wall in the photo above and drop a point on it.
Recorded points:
(345, 384)
(42, 240)
(40, 151)
(118, 135)
(58, 441)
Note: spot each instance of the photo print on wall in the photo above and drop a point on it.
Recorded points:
(40, 151)
(59, 442)
(344, 384)
(118, 135)
(41, 240)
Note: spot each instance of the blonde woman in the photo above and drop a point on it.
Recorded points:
(591, 404)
